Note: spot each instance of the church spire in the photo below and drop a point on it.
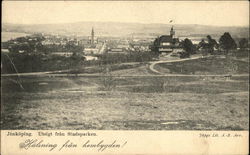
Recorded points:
(92, 36)
(172, 32)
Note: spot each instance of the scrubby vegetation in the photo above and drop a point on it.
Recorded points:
(36, 62)
(135, 56)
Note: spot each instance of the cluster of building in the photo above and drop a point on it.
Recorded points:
(56, 40)
(167, 43)
(22, 44)
(125, 45)
(96, 46)
(93, 46)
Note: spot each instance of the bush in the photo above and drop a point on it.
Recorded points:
(243, 43)
(37, 62)
(107, 80)
(184, 55)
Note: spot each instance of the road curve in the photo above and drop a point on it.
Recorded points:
(151, 67)
(63, 73)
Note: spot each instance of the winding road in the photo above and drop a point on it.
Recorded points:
(63, 73)
(151, 67)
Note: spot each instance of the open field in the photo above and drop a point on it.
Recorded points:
(138, 103)
(192, 95)
(211, 65)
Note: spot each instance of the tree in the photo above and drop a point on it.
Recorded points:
(202, 44)
(227, 42)
(243, 43)
(13, 48)
(211, 43)
(154, 47)
(188, 46)
(209, 46)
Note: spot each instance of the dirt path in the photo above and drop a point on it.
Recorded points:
(33, 73)
(58, 72)
(151, 67)
(63, 73)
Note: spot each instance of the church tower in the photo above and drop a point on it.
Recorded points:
(172, 32)
(92, 36)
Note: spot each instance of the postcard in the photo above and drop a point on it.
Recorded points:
(125, 77)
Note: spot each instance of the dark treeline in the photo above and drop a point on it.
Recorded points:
(24, 62)
(225, 44)
(36, 62)
(135, 56)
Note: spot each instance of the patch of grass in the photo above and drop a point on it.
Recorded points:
(179, 85)
(99, 69)
(40, 84)
(212, 65)
(147, 103)
(163, 125)
(243, 53)
(107, 80)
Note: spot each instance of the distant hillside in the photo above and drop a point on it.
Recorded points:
(126, 29)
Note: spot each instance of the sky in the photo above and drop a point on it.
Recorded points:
(225, 13)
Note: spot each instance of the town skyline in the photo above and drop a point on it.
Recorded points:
(200, 13)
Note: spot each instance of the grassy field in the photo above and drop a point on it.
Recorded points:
(211, 65)
(146, 102)
(139, 103)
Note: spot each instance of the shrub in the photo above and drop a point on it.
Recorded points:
(227, 42)
(107, 80)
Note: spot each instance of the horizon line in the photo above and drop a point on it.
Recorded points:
(144, 23)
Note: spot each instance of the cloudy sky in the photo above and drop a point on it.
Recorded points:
(224, 13)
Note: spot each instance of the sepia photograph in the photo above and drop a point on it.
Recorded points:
(125, 65)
